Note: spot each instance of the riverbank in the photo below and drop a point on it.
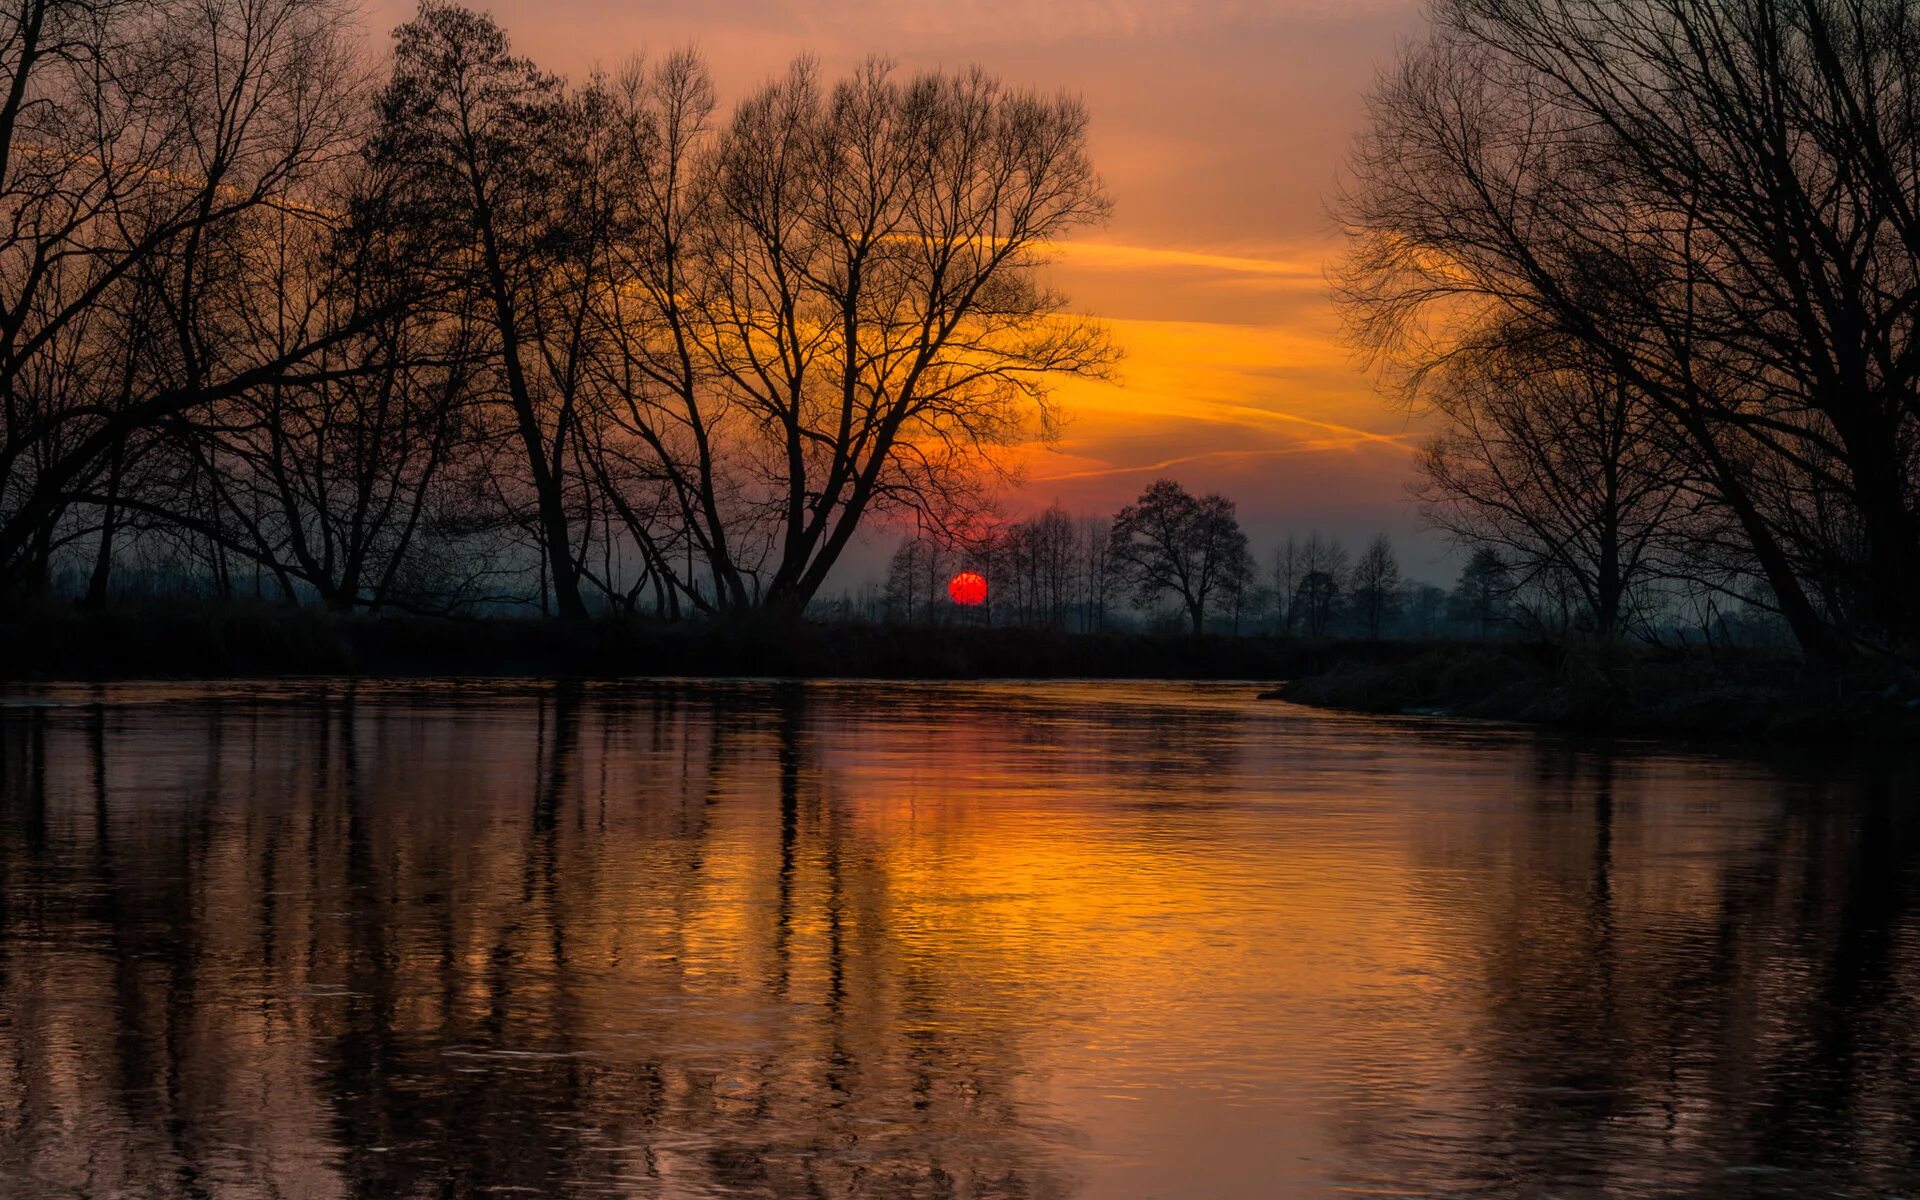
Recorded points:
(1632, 690)
(1635, 690)
(253, 641)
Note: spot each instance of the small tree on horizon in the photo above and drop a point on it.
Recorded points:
(1286, 578)
(1322, 572)
(1315, 599)
(1376, 585)
(1170, 540)
(1485, 585)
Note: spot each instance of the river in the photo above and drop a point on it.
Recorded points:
(1022, 941)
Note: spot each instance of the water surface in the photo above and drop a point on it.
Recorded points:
(1022, 941)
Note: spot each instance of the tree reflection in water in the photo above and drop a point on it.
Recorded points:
(810, 940)
(1673, 995)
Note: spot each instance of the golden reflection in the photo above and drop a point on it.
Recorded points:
(996, 940)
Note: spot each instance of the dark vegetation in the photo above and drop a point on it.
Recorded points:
(1709, 692)
(203, 640)
(1751, 694)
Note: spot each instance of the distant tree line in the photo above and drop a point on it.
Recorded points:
(450, 331)
(1654, 268)
(1175, 561)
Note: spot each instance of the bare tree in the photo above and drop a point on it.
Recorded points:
(1484, 592)
(837, 308)
(1376, 585)
(142, 146)
(1170, 541)
(1715, 201)
(1286, 579)
(496, 184)
(1570, 473)
(1322, 566)
(1053, 541)
(1095, 573)
(660, 352)
(332, 482)
(915, 577)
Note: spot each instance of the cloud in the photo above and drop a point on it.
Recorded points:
(1184, 460)
(1115, 257)
(1055, 20)
(1274, 416)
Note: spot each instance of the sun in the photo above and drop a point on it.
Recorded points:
(968, 589)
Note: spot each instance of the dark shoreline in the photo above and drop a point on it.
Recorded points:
(1722, 696)
(1740, 695)
(60, 643)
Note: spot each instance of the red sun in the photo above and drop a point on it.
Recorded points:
(968, 588)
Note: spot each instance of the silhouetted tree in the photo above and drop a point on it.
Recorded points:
(1316, 599)
(494, 182)
(1424, 611)
(141, 200)
(1321, 571)
(1286, 581)
(917, 578)
(1569, 473)
(332, 482)
(1715, 202)
(1096, 572)
(1172, 541)
(353, 349)
(1481, 596)
(835, 307)
(1376, 585)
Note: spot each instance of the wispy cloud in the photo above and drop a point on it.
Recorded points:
(1204, 456)
(1053, 20)
(1394, 440)
(1118, 257)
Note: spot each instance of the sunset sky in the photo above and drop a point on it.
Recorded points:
(1220, 128)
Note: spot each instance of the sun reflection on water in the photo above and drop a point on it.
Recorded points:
(1020, 940)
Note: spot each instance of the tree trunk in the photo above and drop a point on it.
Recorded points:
(546, 484)
(102, 577)
(1892, 583)
(37, 577)
(557, 538)
(1813, 633)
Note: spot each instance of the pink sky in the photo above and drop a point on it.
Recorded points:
(1220, 128)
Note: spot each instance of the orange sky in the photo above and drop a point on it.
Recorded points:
(1220, 127)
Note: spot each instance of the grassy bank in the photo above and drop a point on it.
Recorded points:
(1631, 690)
(225, 641)
(1639, 690)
